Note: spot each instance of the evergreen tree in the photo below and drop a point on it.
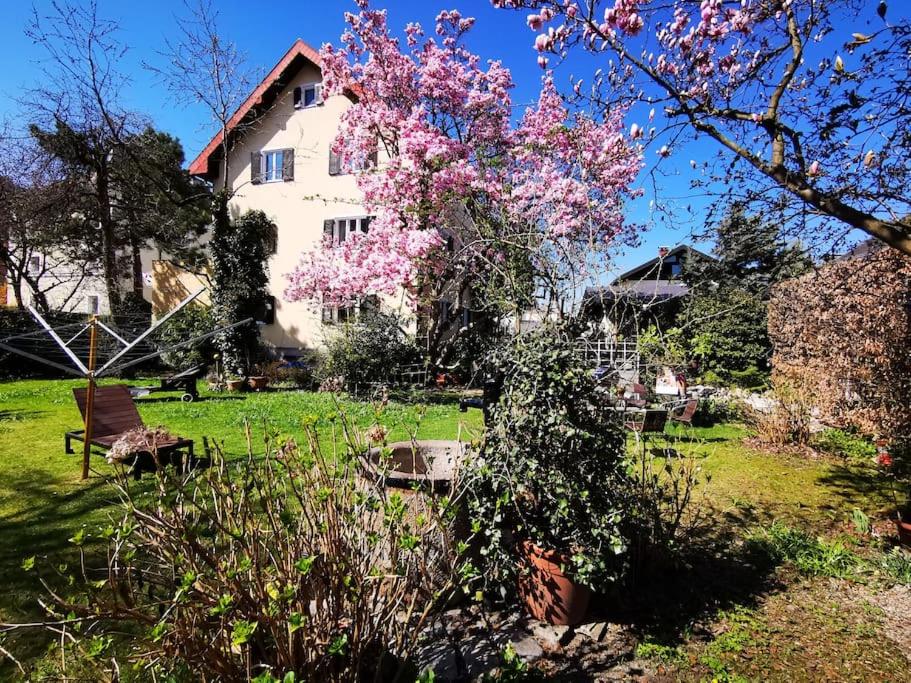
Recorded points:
(725, 316)
(239, 251)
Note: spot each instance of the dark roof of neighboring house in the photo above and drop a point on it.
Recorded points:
(640, 271)
(262, 97)
(642, 292)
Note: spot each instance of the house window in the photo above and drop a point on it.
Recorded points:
(272, 165)
(336, 167)
(340, 228)
(333, 315)
(93, 304)
(308, 95)
(34, 265)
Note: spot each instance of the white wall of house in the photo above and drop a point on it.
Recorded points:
(68, 289)
(298, 207)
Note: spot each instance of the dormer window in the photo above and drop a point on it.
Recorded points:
(308, 95)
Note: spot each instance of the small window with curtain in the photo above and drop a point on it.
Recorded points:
(93, 304)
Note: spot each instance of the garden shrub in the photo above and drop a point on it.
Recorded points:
(192, 321)
(712, 411)
(372, 349)
(845, 444)
(552, 467)
(841, 333)
(298, 374)
(787, 421)
(289, 566)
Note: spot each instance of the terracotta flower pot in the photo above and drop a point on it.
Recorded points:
(549, 594)
(904, 531)
(235, 384)
(258, 383)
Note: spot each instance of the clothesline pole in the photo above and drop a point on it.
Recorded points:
(89, 397)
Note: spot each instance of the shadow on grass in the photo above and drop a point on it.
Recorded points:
(41, 529)
(669, 602)
(853, 483)
(177, 399)
(20, 414)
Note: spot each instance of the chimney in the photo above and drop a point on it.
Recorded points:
(663, 251)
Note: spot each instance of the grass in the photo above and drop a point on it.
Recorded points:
(43, 500)
(43, 503)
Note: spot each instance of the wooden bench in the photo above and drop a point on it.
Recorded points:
(114, 414)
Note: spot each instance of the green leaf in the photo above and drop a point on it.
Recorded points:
(242, 632)
(304, 564)
(339, 645)
(28, 563)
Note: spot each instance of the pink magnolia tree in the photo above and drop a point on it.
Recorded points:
(464, 199)
(807, 99)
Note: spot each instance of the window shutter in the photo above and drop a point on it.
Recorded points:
(327, 314)
(287, 164)
(341, 231)
(373, 159)
(256, 167)
(328, 228)
(319, 93)
(335, 163)
(365, 224)
(297, 98)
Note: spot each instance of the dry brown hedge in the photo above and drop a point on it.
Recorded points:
(841, 333)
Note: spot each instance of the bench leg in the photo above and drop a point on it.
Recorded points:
(68, 446)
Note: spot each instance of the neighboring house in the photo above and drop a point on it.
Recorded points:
(640, 296)
(280, 163)
(75, 288)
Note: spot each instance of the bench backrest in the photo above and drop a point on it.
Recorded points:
(113, 411)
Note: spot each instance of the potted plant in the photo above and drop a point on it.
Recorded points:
(550, 482)
(235, 383)
(259, 381)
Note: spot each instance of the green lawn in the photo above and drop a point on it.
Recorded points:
(43, 500)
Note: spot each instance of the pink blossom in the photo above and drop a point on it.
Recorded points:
(535, 22)
(443, 121)
(813, 170)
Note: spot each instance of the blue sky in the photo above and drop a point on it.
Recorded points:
(264, 35)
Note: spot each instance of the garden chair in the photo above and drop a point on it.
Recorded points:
(684, 411)
(645, 423)
(114, 414)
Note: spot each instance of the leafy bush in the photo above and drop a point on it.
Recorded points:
(552, 468)
(751, 378)
(299, 374)
(845, 444)
(841, 333)
(290, 566)
(712, 412)
(194, 320)
(374, 348)
(787, 421)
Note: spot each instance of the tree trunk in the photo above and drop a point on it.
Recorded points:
(108, 245)
(137, 266)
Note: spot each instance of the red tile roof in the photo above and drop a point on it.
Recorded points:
(200, 166)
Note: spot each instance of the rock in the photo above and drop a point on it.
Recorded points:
(527, 648)
(596, 630)
(552, 637)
